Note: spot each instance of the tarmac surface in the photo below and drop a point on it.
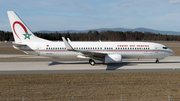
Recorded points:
(169, 64)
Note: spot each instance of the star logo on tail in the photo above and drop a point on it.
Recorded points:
(27, 36)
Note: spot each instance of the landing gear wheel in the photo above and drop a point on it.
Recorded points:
(92, 62)
(157, 60)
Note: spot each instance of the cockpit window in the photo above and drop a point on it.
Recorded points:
(165, 48)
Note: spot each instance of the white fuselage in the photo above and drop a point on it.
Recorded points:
(139, 50)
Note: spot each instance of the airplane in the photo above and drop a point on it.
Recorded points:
(106, 51)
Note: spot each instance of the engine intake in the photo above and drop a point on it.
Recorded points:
(113, 58)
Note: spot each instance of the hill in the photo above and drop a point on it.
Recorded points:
(115, 29)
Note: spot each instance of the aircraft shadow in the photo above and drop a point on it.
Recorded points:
(170, 62)
(58, 63)
(156, 63)
(109, 66)
(118, 65)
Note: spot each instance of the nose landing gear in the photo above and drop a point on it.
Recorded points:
(157, 60)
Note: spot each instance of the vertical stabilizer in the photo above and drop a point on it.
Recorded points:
(20, 31)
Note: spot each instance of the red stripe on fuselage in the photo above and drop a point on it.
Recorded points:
(95, 51)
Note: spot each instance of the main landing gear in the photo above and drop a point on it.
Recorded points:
(92, 62)
(157, 60)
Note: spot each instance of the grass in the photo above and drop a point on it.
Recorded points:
(176, 51)
(22, 59)
(92, 87)
(10, 50)
(4, 44)
(169, 43)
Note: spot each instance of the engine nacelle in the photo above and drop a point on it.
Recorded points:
(113, 58)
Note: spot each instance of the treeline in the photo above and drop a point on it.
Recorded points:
(6, 36)
(104, 36)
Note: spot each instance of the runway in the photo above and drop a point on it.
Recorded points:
(170, 64)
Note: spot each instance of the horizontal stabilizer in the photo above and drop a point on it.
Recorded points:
(19, 44)
(15, 44)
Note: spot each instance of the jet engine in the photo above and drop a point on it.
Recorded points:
(113, 58)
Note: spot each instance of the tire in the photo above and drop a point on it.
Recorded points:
(92, 62)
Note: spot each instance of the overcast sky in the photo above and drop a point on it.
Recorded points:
(58, 15)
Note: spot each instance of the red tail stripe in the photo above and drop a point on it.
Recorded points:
(17, 22)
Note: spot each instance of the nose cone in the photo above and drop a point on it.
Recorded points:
(171, 51)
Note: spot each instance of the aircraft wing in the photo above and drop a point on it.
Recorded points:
(95, 55)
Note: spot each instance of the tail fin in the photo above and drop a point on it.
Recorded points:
(20, 31)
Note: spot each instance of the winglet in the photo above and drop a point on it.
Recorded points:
(68, 46)
(68, 40)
